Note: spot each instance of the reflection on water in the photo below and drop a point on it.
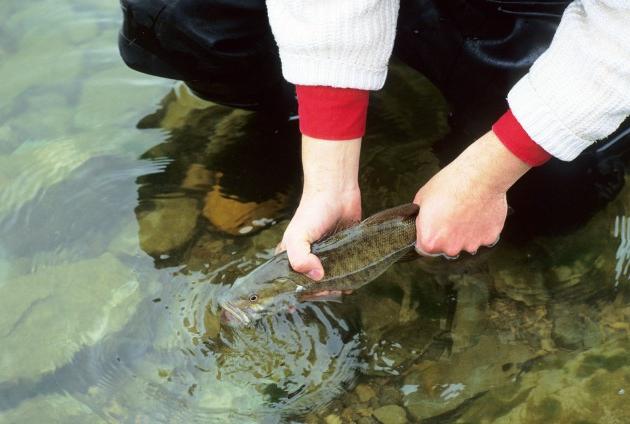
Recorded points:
(622, 231)
(128, 206)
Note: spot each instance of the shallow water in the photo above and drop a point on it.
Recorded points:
(127, 206)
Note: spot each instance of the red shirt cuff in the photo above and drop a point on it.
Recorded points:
(517, 141)
(332, 113)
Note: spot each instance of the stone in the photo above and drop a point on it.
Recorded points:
(470, 318)
(440, 386)
(51, 409)
(49, 315)
(390, 394)
(53, 162)
(567, 387)
(364, 392)
(184, 102)
(235, 217)
(115, 97)
(520, 275)
(391, 414)
(169, 226)
(332, 419)
(197, 177)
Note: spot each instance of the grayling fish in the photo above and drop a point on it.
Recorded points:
(351, 258)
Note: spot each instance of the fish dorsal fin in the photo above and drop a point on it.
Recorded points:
(409, 210)
(339, 227)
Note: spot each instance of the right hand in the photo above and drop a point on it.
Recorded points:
(318, 214)
(331, 199)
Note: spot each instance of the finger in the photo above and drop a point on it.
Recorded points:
(494, 243)
(302, 260)
(421, 252)
(280, 248)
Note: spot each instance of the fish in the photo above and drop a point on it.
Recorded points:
(351, 257)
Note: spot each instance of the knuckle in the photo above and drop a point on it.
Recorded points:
(451, 251)
(429, 246)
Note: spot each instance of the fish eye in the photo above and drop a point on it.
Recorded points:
(253, 298)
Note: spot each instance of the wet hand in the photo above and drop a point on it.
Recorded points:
(318, 214)
(331, 199)
(464, 206)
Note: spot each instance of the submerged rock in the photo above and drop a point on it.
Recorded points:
(439, 387)
(239, 218)
(364, 392)
(391, 414)
(53, 313)
(61, 409)
(589, 387)
(169, 226)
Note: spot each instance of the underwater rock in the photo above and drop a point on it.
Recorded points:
(332, 419)
(115, 97)
(391, 414)
(197, 177)
(45, 115)
(573, 328)
(239, 218)
(169, 226)
(182, 103)
(54, 312)
(515, 322)
(589, 387)
(209, 251)
(470, 318)
(34, 167)
(437, 387)
(364, 392)
(53, 409)
(81, 30)
(50, 65)
(520, 274)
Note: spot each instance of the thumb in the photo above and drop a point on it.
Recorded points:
(302, 260)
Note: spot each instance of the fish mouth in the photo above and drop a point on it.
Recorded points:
(231, 312)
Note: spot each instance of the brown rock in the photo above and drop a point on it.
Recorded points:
(197, 177)
(238, 218)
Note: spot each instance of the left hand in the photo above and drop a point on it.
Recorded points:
(464, 205)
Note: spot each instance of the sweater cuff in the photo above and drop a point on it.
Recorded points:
(517, 141)
(331, 113)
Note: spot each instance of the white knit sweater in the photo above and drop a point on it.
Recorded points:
(576, 93)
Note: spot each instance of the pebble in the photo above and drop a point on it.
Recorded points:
(364, 392)
(391, 414)
(332, 419)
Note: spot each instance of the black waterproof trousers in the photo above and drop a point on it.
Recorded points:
(474, 51)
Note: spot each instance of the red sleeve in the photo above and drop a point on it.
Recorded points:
(331, 113)
(514, 137)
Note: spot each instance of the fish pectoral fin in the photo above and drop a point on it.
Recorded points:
(409, 210)
(325, 296)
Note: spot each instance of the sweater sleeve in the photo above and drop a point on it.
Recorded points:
(578, 91)
(334, 43)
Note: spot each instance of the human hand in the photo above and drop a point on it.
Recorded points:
(464, 205)
(318, 214)
(331, 198)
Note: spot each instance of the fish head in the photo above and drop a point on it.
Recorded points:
(268, 289)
